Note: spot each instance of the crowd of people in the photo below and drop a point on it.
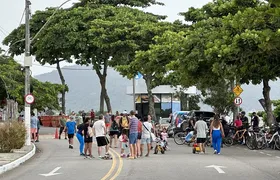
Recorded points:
(219, 128)
(128, 131)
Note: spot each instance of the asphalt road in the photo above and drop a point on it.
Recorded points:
(179, 163)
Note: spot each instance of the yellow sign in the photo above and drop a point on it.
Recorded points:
(237, 90)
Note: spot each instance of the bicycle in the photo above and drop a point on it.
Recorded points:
(180, 138)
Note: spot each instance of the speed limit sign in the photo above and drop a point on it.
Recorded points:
(238, 101)
(29, 99)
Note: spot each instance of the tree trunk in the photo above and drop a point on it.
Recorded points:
(63, 93)
(184, 101)
(151, 98)
(104, 94)
(268, 106)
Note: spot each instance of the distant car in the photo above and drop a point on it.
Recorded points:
(205, 115)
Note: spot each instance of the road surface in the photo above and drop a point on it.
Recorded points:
(55, 161)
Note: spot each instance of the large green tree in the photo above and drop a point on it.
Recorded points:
(51, 44)
(12, 86)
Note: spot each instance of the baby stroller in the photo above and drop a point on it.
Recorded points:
(161, 145)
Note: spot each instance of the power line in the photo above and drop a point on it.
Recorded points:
(3, 31)
(22, 17)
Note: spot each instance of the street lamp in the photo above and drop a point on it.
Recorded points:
(28, 63)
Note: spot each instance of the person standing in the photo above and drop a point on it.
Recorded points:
(34, 126)
(100, 131)
(124, 124)
(216, 133)
(114, 131)
(71, 128)
(62, 123)
(244, 119)
(146, 136)
(133, 133)
(107, 119)
(255, 121)
(84, 114)
(88, 137)
(201, 129)
(38, 128)
(92, 115)
(79, 135)
(139, 137)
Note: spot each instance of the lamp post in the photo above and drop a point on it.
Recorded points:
(28, 63)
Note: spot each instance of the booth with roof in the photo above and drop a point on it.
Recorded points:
(165, 99)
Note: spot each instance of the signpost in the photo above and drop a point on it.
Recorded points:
(238, 101)
(29, 99)
(237, 90)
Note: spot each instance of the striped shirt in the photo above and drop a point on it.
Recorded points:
(133, 125)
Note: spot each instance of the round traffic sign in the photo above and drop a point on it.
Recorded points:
(29, 99)
(238, 101)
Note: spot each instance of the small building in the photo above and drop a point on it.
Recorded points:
(165, 99)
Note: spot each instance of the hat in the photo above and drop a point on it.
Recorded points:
(124, 112)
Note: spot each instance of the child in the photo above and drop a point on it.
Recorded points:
(164, 134)
(123, 141)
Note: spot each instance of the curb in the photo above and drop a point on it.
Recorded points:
(18, 161)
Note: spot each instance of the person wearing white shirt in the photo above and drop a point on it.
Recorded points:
(99, 129)
(146, 136)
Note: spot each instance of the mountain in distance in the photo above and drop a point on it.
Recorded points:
(84, 90)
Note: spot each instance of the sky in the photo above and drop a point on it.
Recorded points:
(11, 12)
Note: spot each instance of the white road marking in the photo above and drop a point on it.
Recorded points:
(218, 168)
(245, 149)
(278, 157)
(52, 173)
(262, 152)
(238, 147)
(269, 154)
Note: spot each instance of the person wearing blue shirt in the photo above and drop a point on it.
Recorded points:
(71, 128)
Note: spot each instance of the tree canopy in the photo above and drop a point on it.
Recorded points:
(12, 86)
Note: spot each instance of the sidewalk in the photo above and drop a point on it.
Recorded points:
(9, 161)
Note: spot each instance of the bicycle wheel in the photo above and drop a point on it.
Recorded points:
(179, 138)
(277, 142)
(228, 141)
(249, 140)
(261, 142)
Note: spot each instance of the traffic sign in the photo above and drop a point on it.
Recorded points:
(237, 90)
(29, 99)
(238, 101)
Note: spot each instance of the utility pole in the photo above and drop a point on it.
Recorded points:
(27, 64)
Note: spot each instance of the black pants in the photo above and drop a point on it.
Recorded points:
(61, 131)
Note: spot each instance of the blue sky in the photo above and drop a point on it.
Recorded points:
(11, 12)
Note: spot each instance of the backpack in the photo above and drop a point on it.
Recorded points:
(124, 122)
(115, 125)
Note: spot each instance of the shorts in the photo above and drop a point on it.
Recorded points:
(102, 141)
(200, 140)
(139, 136)
(133, 138)
(33, 130)
(70, 136)
(88, 140)
(112, 133)
(38, 131)
(146, 141)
